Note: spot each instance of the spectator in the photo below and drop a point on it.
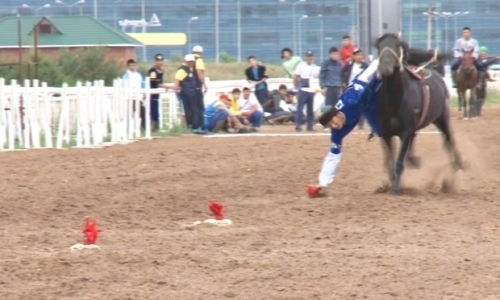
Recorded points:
(256, 75)
(280, 108)
(350, 71)
(132, 78)
(201, 85)
(330, 78)
(251, 109)
(186, 80)
(347, 50)
(235, 97)
(353, 68)
(290, 62)
(155, 74)
(218, 116)
(304, 74)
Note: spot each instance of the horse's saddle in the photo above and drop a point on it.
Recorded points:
(421, 74)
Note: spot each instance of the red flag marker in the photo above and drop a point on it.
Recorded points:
(91, 232)
(313, 191)
(217, 210)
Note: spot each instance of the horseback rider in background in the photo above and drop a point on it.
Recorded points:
(465, 43)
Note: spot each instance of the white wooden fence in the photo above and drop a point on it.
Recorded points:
(93, 115)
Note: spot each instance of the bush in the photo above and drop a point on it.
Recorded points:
(73, 65)
(227, 58)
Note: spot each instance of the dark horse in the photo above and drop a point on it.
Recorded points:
(467, 79)
(406, 105)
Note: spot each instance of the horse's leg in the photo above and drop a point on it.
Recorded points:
(464, 103)
(443, 124)
(472, 103)
(459, 100)
(406, 141)
(389, 157)
(412, 160)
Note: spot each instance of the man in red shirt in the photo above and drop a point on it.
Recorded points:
(347, 50)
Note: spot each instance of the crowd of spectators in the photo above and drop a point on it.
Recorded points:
(242, 110)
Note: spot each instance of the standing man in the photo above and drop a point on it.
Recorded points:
(201, 87)
(330, 77)
(256, 75)
(304, 74)
(347, 50)
(290, 62)
(132, 78)
(350, 71)
(155, 81)
(465, 43)
(185, 79)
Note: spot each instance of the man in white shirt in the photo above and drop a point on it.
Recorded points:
(132, 78)
(251, 109)
(465, 43)
(304, 74)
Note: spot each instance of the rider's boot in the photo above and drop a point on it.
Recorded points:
(454, 78)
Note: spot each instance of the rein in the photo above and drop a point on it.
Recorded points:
(398, 57)
(429, 62)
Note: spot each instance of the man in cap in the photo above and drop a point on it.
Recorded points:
(304, 74)
(330, 77)
(199, 74)
(186, 81)
(155, 74)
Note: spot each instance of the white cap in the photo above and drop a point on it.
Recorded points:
(197, 48)
(189, 57)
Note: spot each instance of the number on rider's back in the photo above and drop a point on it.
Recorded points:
(339, 105)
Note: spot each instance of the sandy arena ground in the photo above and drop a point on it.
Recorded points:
(355, 244)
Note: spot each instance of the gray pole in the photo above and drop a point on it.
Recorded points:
(216, 31)
(410, 38)
(447, 43)
(239, 30)
(189, 36)
(322, 37)
(294, 29)
(143, 11)
(95, 9)
(429, 27)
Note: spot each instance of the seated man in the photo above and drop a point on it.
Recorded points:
(465, 43)
(251, 109)
(279, 108)
(218, 116)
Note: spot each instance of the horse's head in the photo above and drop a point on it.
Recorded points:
(391, 54)
(467, 58)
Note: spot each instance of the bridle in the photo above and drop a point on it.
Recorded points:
(392, 52)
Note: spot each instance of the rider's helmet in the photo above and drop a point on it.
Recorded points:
(483, 49)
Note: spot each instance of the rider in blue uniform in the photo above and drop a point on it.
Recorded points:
(360, 98)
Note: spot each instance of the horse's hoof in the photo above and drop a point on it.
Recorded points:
(395, 192)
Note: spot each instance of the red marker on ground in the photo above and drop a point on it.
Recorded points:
(217, 210)
(91, 232)
(313, 191)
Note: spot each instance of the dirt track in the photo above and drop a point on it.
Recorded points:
(352, 245)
